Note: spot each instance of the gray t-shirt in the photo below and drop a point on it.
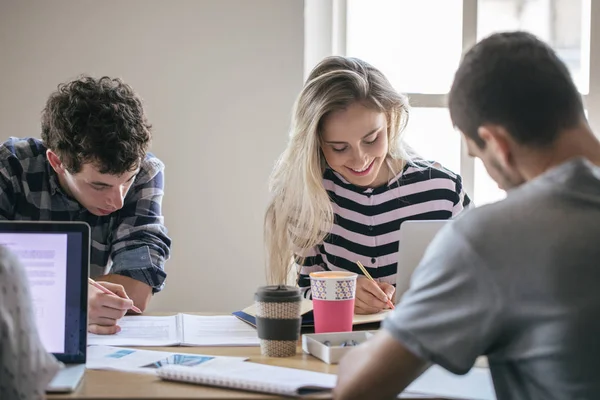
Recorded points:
(26, 367)
(518, 281)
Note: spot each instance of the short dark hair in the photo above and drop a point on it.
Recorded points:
(98, 121)
(515, 80)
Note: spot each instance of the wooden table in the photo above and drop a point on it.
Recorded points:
(98, 384)
(121, 385)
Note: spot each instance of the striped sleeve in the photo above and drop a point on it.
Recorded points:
(464, 201)
(307, 261)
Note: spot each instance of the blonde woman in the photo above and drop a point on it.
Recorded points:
(346, 181)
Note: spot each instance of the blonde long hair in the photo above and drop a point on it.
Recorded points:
(300, 213)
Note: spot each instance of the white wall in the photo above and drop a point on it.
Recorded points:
(219, 78)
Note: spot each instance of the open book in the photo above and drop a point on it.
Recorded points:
(180, 329)
(253, 377)
(248, 315)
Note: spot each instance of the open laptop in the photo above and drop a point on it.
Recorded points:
(415, 237)
(56, 259)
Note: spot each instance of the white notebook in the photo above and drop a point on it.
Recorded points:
(253, 377)
(179, 330)
(260, 378)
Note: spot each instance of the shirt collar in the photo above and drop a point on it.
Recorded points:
(55, 187)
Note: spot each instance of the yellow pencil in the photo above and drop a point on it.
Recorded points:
(364, 270)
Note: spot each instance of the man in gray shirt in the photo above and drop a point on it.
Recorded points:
(517, 280)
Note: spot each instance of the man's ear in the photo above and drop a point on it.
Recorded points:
(55, 162)
(498, 141)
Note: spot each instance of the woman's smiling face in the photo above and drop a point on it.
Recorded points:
(354, 142)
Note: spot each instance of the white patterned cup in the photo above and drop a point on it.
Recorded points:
(333, 294)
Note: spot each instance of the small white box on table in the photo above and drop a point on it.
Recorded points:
(314, 344)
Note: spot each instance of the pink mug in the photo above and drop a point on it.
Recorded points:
(333, 294)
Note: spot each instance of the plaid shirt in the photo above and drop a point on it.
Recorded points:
(131, 242)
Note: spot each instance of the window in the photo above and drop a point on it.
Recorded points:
(427, 123)
(560, 23)
(389, 33)
(418, 45)
(486, 190)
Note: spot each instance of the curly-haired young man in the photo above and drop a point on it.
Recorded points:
(92, 165)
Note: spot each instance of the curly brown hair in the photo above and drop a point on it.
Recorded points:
(98, 121)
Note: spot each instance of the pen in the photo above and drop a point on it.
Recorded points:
(105, 290)
(364, 270)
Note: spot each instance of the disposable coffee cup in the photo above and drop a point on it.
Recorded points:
(278, 319)
(333, 297)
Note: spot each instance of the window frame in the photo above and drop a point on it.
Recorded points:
(325, 29)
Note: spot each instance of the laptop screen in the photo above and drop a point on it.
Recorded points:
(56, 260)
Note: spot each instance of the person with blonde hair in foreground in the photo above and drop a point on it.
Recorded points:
(517, 280)
(347, 180)
(26, 368)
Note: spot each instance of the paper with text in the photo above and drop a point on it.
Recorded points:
(146, 361)
(219, 330)
(142, 331)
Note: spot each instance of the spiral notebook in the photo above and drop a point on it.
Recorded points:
(252, 377)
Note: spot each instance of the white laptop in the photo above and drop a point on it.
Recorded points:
(415, 237)
(56, 259)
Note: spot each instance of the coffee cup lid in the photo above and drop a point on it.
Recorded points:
(278, 293)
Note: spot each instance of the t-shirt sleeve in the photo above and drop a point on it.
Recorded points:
(452, 311)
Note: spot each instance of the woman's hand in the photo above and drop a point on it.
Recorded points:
(372, 297)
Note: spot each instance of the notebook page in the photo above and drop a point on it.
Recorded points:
(218, 330)
(142, 331)
(252, 377)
